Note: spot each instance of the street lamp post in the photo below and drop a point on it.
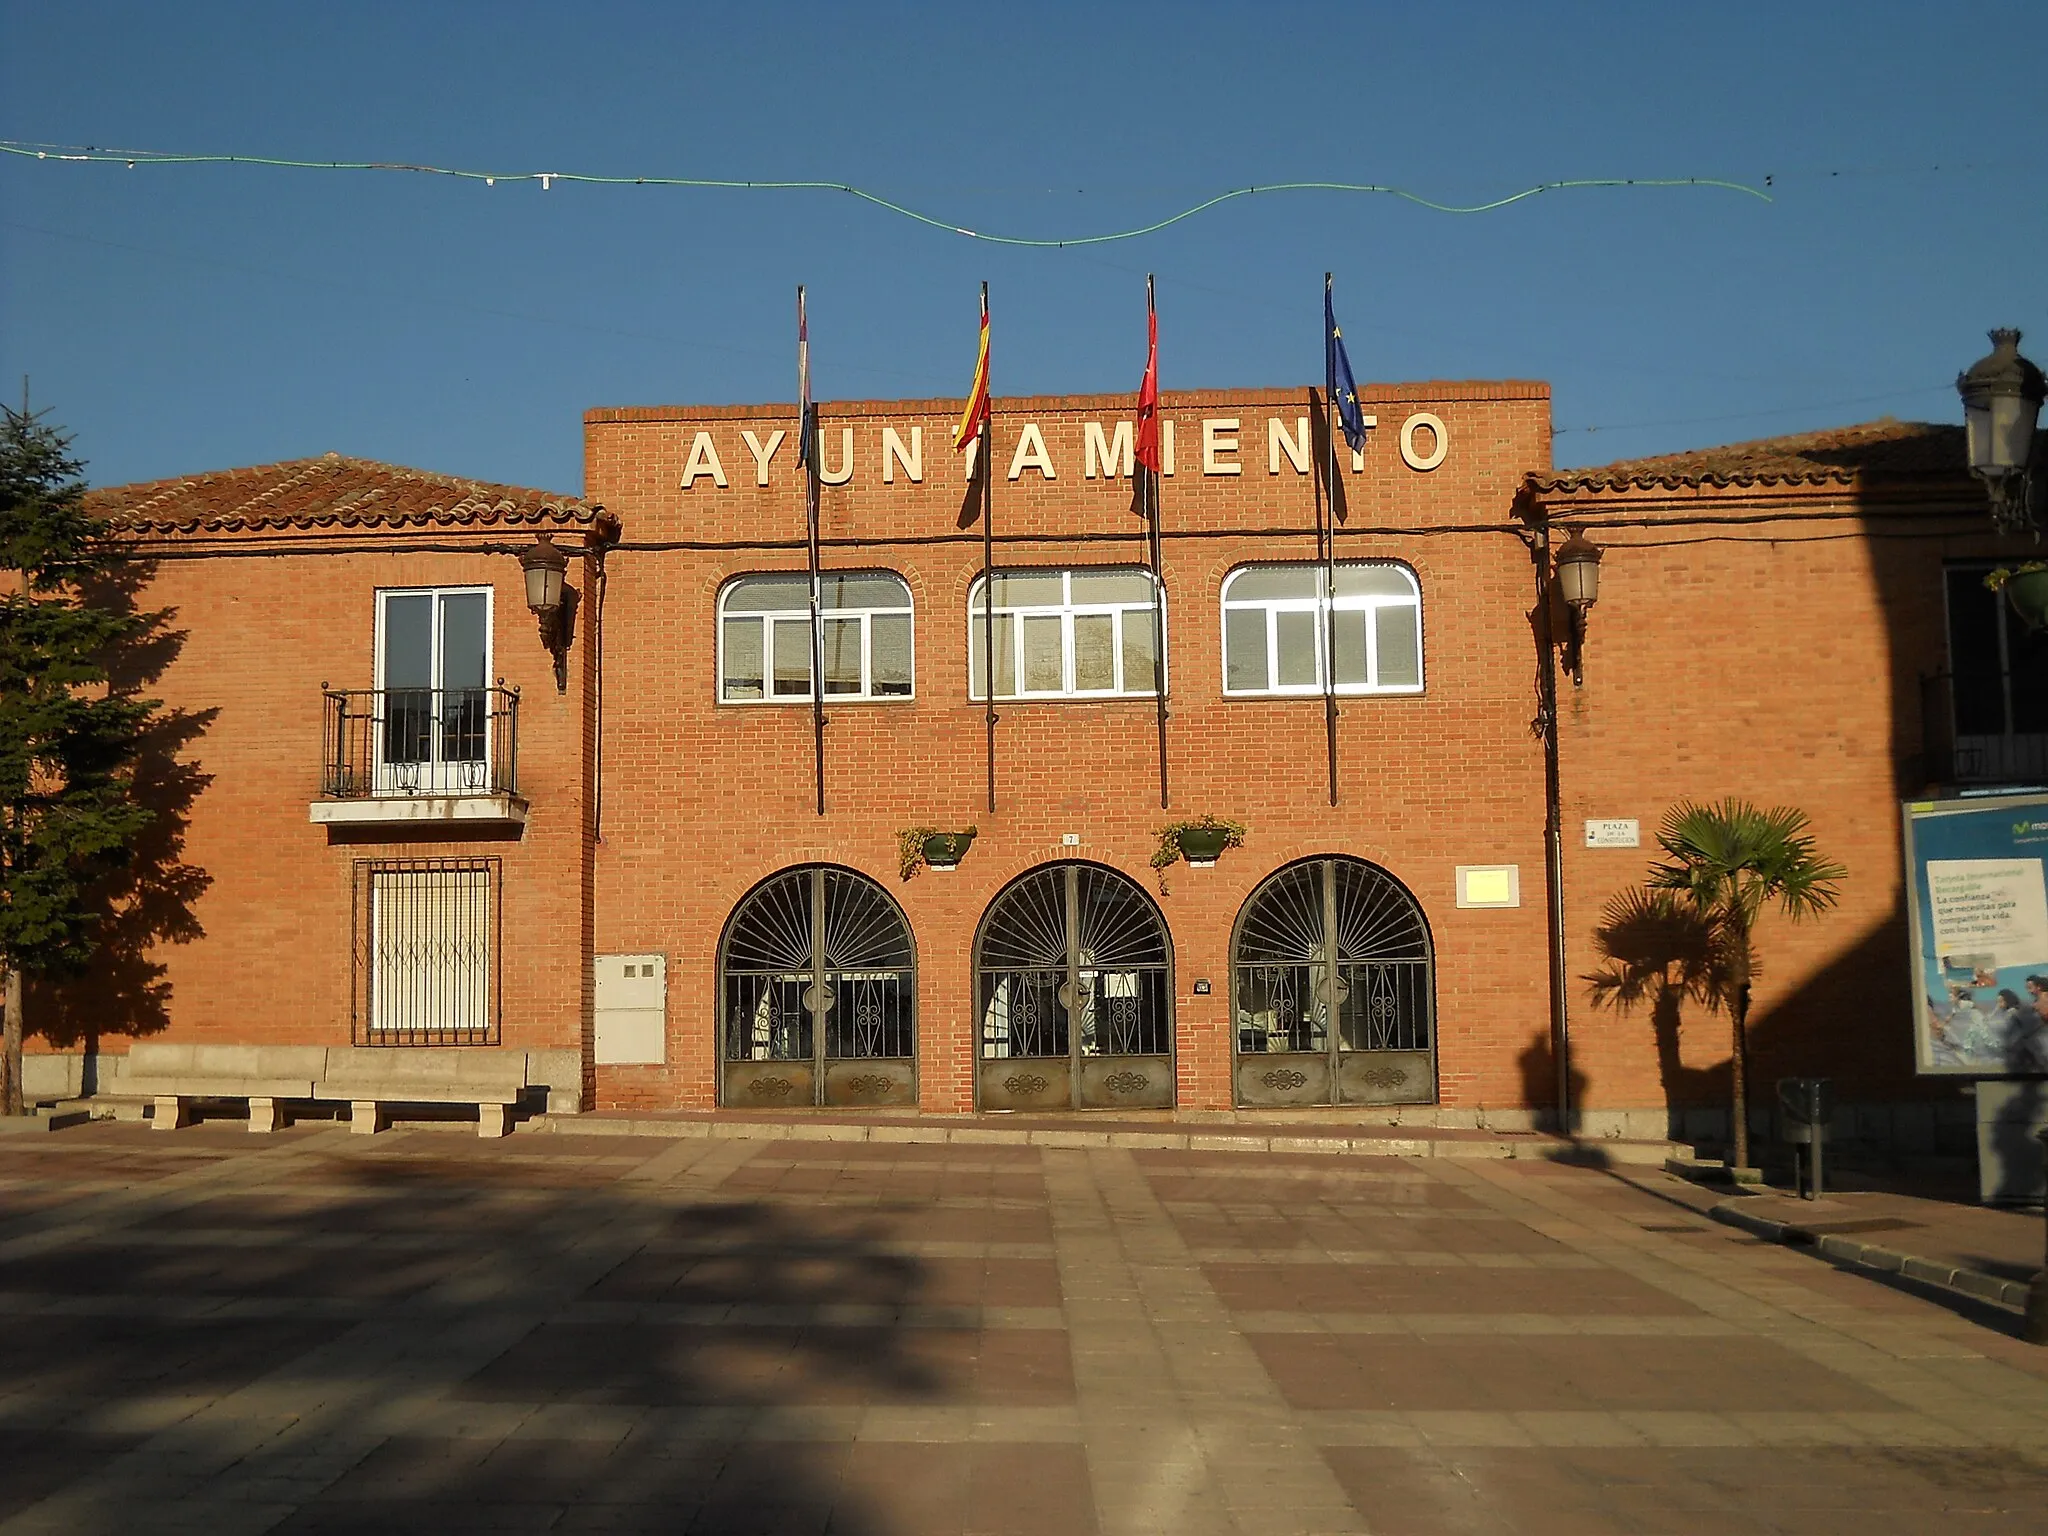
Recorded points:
(2002, 394)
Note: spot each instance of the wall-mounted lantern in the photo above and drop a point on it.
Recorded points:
(1576, 580)
(546, 569)
(2002, 394)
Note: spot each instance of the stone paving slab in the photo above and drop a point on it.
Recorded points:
(711, 1334)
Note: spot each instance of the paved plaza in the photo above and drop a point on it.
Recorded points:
(315, 1332)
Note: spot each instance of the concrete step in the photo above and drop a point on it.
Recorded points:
(1086, 1130)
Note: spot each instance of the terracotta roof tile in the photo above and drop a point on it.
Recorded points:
(1876, 450)
(327, 493)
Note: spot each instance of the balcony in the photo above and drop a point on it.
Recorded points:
(420, 755)
(1985, 729)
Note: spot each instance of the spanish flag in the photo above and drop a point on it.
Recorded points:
(975, 417)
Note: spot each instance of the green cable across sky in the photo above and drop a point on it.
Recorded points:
(69, 154)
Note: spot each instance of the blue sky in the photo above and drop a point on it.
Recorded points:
(187, 319)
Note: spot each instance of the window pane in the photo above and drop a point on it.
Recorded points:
(1138, 676)
(1259, 582)
(889, 655)
(1400, 645)
(1350, 637)
(1037, 589)
(744, 678)
(1111, 587)
(1296, 637)
(792, 659)
(1043, 670)
(1244, 649)
(769, 594)
(1094, 652)
(408, 641)
(463, 639)
(842, 656)
(1006, 656)
(1374, 581)
(877, 590)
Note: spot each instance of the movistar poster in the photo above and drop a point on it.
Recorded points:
(1977, 900)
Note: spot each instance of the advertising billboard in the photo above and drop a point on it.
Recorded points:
(1977, 906)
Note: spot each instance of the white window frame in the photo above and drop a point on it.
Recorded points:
(435, 775)
(1067, 610)
(801, 618)
(1319, 605)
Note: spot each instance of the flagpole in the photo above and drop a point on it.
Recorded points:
(806, 441)
(988, 567)
(1158, 569)
(1326, 535)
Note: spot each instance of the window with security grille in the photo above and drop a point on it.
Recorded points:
(1281, 626)
(426, 968)
(1085, 634)
(764, 637)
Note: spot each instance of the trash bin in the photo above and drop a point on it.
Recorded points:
(1806, 1105)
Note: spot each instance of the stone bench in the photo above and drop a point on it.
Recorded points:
(371, 1079)
(170, 1075)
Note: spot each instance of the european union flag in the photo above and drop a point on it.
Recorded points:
(1343, 388)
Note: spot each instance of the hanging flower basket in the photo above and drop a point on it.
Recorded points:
(929, 848)
(1201, 842)
(2026, 588)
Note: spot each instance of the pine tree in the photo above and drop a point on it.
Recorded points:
(68, 742)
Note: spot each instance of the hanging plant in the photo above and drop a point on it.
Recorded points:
(929, 847)
(1200, 842)
(2026, 587)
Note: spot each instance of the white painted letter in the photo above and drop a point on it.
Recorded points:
(1031, 453)
(1294, 444)
(894, 453)
(1435, 456)
(703, 461)
(845, 470)
(763, 455)
(1114, 454)
(1165, 448)
(1219, 436)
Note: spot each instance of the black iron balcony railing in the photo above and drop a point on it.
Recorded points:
(1985, 727)
(420, 741)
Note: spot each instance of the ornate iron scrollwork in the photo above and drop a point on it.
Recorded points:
(1284, 1079)
(1125, 1082)
(1025, 1084)
(870, 1084)
(1383, 1077)
(771, 1087)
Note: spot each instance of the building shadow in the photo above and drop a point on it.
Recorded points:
(149, 901)
(471, 1338)
(1537, 1064)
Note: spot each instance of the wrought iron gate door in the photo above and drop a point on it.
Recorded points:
(1332, 942)
(1074, 981)
(817, 995)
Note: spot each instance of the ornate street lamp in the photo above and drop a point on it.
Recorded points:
(2002, 395)
(1576, 580)
(546, 569)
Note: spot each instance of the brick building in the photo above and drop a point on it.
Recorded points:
(403, 823)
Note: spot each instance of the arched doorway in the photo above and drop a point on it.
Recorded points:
(1073, 980)
(1332, 936)
(817, 987)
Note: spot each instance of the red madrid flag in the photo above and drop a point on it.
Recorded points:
(1148, 391)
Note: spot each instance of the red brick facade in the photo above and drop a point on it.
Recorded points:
(1759, 637)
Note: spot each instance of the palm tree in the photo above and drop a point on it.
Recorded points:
(1731, 861)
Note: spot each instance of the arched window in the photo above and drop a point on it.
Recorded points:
(764, 637)
(1332, 1000)
(1073, 977)
(1085, 634)
(1278, 621)
(817, 985)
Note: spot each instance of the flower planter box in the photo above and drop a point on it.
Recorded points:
(2028, 594)
(945, 850)
(1202, 846)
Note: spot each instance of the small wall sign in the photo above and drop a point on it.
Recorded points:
(1489, 885)
(1614, 832)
